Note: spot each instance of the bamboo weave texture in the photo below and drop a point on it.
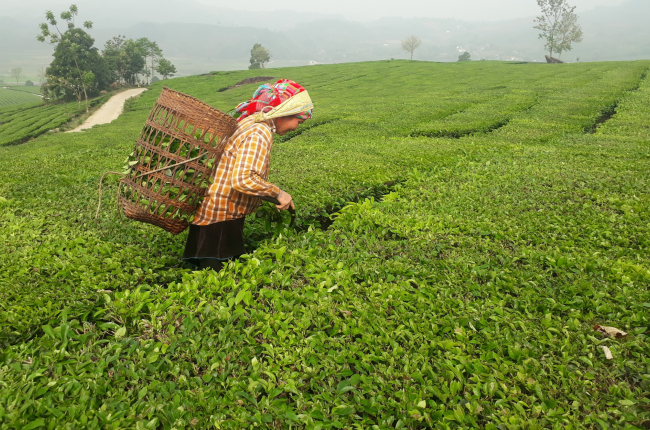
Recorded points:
(158, 189)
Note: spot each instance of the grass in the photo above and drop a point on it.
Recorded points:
(461, 295)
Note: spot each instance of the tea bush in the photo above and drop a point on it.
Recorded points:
(461, 295)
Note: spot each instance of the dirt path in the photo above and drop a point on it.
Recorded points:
(110, 110)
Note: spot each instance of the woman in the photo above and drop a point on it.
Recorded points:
(240, 179)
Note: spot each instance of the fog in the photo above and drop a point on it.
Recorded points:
(199, 36)
(354, 10)
(367, 10)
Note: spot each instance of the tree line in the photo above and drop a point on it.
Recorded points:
(79, 70)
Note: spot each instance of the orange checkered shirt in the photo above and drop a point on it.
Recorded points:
(241, 175)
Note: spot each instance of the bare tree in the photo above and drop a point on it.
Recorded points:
(41, 75)
(410, 44)
(16, 72)
(558, 25)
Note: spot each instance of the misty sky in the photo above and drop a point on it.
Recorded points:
(363, 10)
(355, 10)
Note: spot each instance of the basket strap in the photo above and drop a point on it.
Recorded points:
(100, 190)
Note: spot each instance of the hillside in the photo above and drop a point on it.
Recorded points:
(502, 212)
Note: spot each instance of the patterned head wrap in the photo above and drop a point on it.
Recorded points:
(284, 98)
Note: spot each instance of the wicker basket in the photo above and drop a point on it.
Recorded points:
(180, 144)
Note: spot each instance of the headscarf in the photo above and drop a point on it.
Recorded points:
(284, 98)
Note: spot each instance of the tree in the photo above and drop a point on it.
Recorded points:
(465, 56)
(75, 60)
(165, 68)
(126, 59)
(41, 75)
(568, 33)
(410, 44)
(77, 68)
(16, 72)
(558, 25)
(115, 57)
(259, 57)
(76, 87)
(135, 61)
(152, 53)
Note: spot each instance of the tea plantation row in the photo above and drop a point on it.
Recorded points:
(12, 97)
(463, 298)
(25, 88)
(20, 122)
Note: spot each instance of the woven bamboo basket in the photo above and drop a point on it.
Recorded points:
(170, 168)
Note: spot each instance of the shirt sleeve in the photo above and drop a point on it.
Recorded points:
(252, 156)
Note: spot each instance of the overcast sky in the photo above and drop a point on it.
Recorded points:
(355, 10)
(363, 10)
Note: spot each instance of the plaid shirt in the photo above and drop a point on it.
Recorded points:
(241, 175)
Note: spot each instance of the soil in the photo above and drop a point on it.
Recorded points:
(251, 80)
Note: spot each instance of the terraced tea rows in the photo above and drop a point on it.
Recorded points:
(12, 97)
(463, 298)
(28, 89)
(20, 122)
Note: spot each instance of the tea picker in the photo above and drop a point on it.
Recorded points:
(196, 166)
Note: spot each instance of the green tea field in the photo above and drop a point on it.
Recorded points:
(12, 97)
(20, 122)
(462, 228)
(33, 89)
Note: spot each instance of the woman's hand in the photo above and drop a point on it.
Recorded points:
(286, 201)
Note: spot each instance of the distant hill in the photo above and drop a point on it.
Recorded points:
(206, 39)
